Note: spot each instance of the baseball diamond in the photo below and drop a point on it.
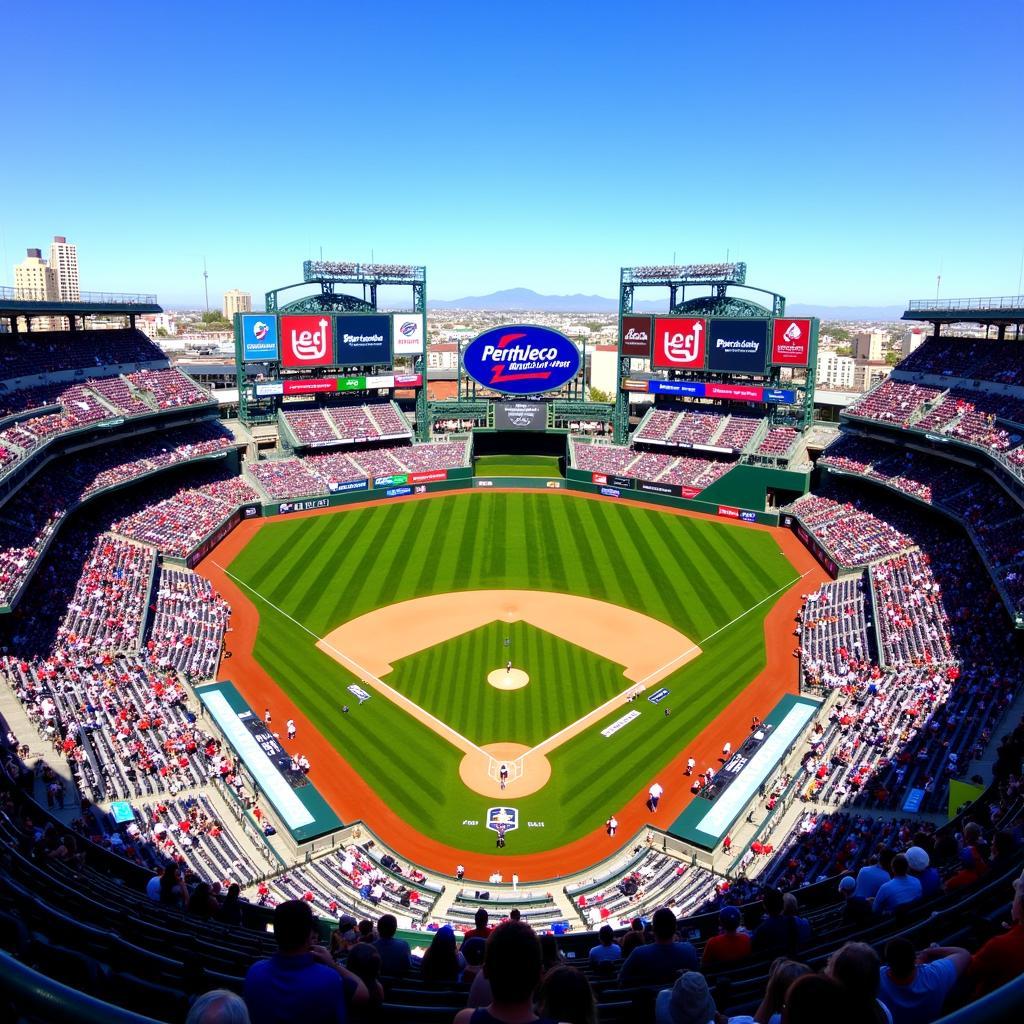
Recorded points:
(415, 600)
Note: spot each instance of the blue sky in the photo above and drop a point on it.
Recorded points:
(843, 151)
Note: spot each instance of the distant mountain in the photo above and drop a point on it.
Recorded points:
(846, 312)
(527, 300)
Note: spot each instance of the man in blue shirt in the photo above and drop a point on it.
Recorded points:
(872, 877)
(663, 959)
(913, 987)
(608, 951)
(900, 890)
(300, 983)
(394, 953)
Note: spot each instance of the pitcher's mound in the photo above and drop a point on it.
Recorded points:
(508, 679)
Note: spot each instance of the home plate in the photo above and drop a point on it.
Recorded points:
(508, 679)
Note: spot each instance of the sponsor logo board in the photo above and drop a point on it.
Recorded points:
(611, 492)
(635, 339)
(689, 492)
(342, 486)
(398, 492)
(259, 337)
(302, 506)
(307, 340)
(651, 488)
(520, 415)
(522, 359)
(747, 516)
(358, 692)
(659, 695)
(389, 481)
(430, 476)
(791, 342)
(408, 380)
(362, 339)
(612, 729)
(483, 483)
(502, 819)
(309, 387)
(679, 343)
(408, 334)
(728, 511)
(738, 345)
(598, 478)
(553, 485)
(268, 388)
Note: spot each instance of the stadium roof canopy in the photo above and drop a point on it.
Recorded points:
(1000, 310)
(27, 302)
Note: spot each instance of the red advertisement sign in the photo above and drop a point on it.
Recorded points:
(739, 392)
(690, 492)
(636, 336)
(599, 478)
(428, 476)
(307, 340)
(408, 380)
(310, 387)
(791, 342)
(679, 343)
(729, 511)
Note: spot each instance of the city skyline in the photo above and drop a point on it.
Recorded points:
(542, 149)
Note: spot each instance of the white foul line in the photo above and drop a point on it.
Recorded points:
(366, 674)
(658, 672)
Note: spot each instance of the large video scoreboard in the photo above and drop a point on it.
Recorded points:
(748, 346)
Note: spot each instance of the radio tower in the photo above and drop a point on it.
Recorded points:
(206, 286)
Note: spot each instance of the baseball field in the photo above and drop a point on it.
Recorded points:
(423, 604)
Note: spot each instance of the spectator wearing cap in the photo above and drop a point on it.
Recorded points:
(855, 911)
(661, 961)
(1001, 959)
(913, 987)
(607, 951)
(301, 981)
(344, 937)
(687, 1002)
(730, 944)
(921, 869)
(900, 890)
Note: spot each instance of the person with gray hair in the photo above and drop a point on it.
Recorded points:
(218, 1007)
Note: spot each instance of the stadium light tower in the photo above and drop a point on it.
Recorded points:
(206, 285)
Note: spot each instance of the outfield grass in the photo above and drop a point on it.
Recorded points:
(449, 681)
(697, 575)
(516, 465)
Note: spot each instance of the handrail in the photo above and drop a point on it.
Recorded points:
(40, 295)
(43, 998)
(999, 1007)
(994, 302)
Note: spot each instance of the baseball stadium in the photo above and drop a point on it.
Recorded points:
(325, 635)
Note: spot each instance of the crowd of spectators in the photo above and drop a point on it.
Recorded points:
(189, 619)
(691, 473)
(39, 352)
(1001, 362)
(346, 423)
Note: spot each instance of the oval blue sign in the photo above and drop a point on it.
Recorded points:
(523, 359)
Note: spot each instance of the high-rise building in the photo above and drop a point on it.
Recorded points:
(64, 261)
(236, 302)
(34, 279)
(867, 346)
(835, 370)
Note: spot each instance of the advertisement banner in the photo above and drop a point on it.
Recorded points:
(259, 337)
(362, 339)
(689, 492)
(351, 383)
(728, 511)
(738, 345)
(737, 392)
(672, 489)
(408, 334)
(521, 359)
(635, 339)
(408, 380)
(791, 342)
(689, 388)
(388, 481)
(520, 415)
(375, 383)
(611, 492)
(269, 388)
(307, 340)
(428, 476)
(398, 492)
(748, 517)
(679, 343)
(302, 506)
(309, 387)
(779, 396)
(343, 486)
